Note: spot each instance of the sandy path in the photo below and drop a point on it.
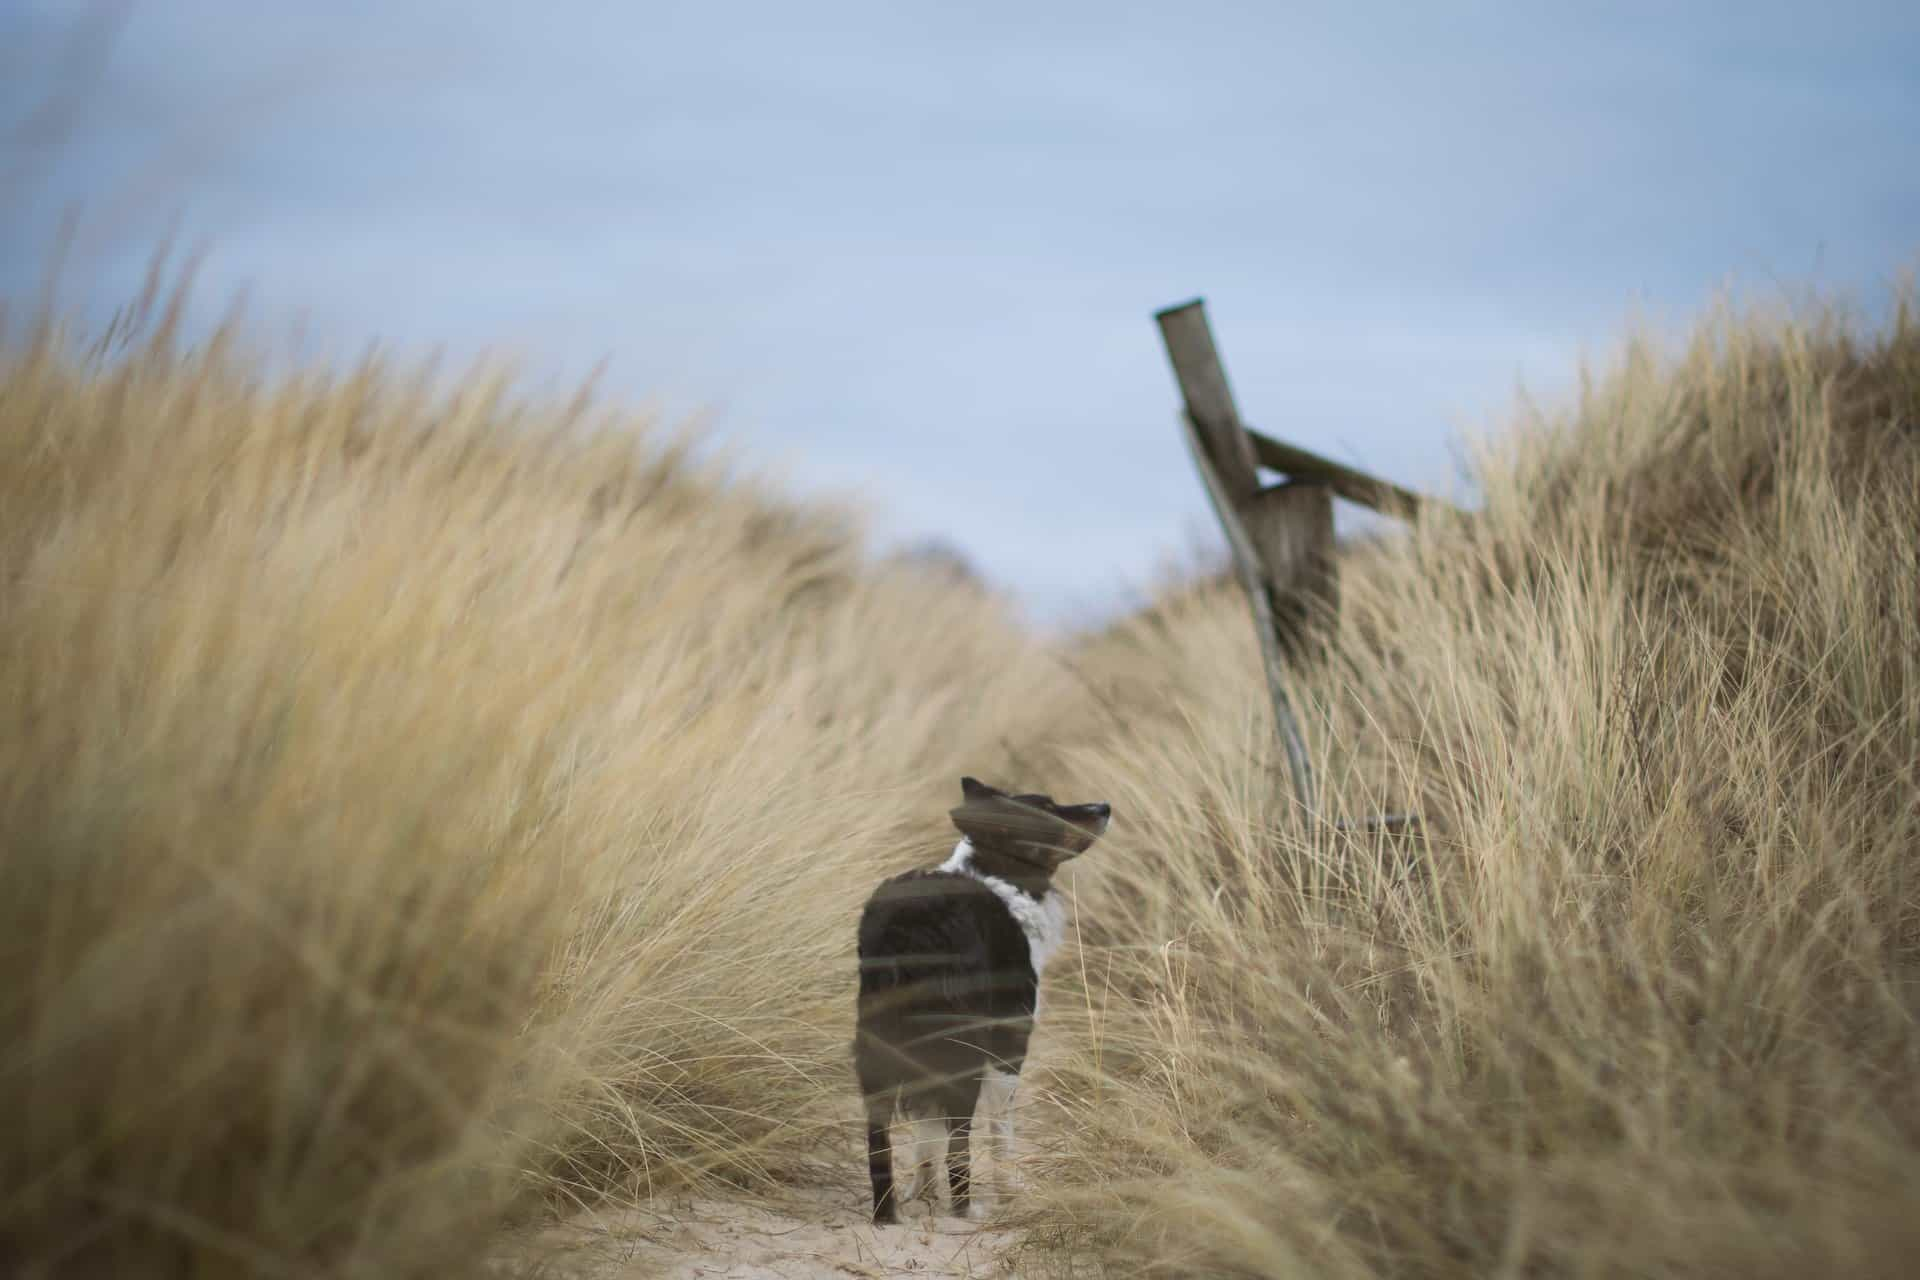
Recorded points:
(798, 1237)
(797, 1234)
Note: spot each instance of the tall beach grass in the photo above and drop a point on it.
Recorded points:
(418, 804)
(423, 808)
(1644, 1001)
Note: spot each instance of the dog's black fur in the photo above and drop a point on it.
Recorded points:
(948, 983)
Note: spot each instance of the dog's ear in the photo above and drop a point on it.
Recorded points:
(973, 789)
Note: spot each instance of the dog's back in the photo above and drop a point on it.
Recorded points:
(947, 990)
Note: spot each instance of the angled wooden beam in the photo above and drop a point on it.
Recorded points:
(1266, 623)
(1355, 486)
(1209, 400)
(1224, 457)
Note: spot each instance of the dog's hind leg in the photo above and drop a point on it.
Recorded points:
(880, 1161)
(960, 1165)
(926, 1139)
(997, 1094)
(960, 1103)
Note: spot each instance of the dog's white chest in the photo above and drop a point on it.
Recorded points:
(1043, 921)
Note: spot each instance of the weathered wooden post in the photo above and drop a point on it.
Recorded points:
(1281, 536)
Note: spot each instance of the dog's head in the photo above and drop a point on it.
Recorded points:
(1029, 825)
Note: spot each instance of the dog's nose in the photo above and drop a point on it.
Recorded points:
(1104, 809)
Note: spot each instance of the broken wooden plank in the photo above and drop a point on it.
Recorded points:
(1355, 486)
(1291, 526)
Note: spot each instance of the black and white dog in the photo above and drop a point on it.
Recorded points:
(950, 962)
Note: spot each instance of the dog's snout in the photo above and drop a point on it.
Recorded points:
(1104, 809)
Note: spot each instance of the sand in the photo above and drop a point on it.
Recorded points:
(797, 1236)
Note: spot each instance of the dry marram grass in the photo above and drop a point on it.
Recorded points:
(408, 799)
(417, 805)
(1645, 1003)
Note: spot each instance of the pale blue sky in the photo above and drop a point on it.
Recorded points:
(914, 248)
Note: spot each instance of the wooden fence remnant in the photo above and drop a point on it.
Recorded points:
(1280, 535)
(1224, 456)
